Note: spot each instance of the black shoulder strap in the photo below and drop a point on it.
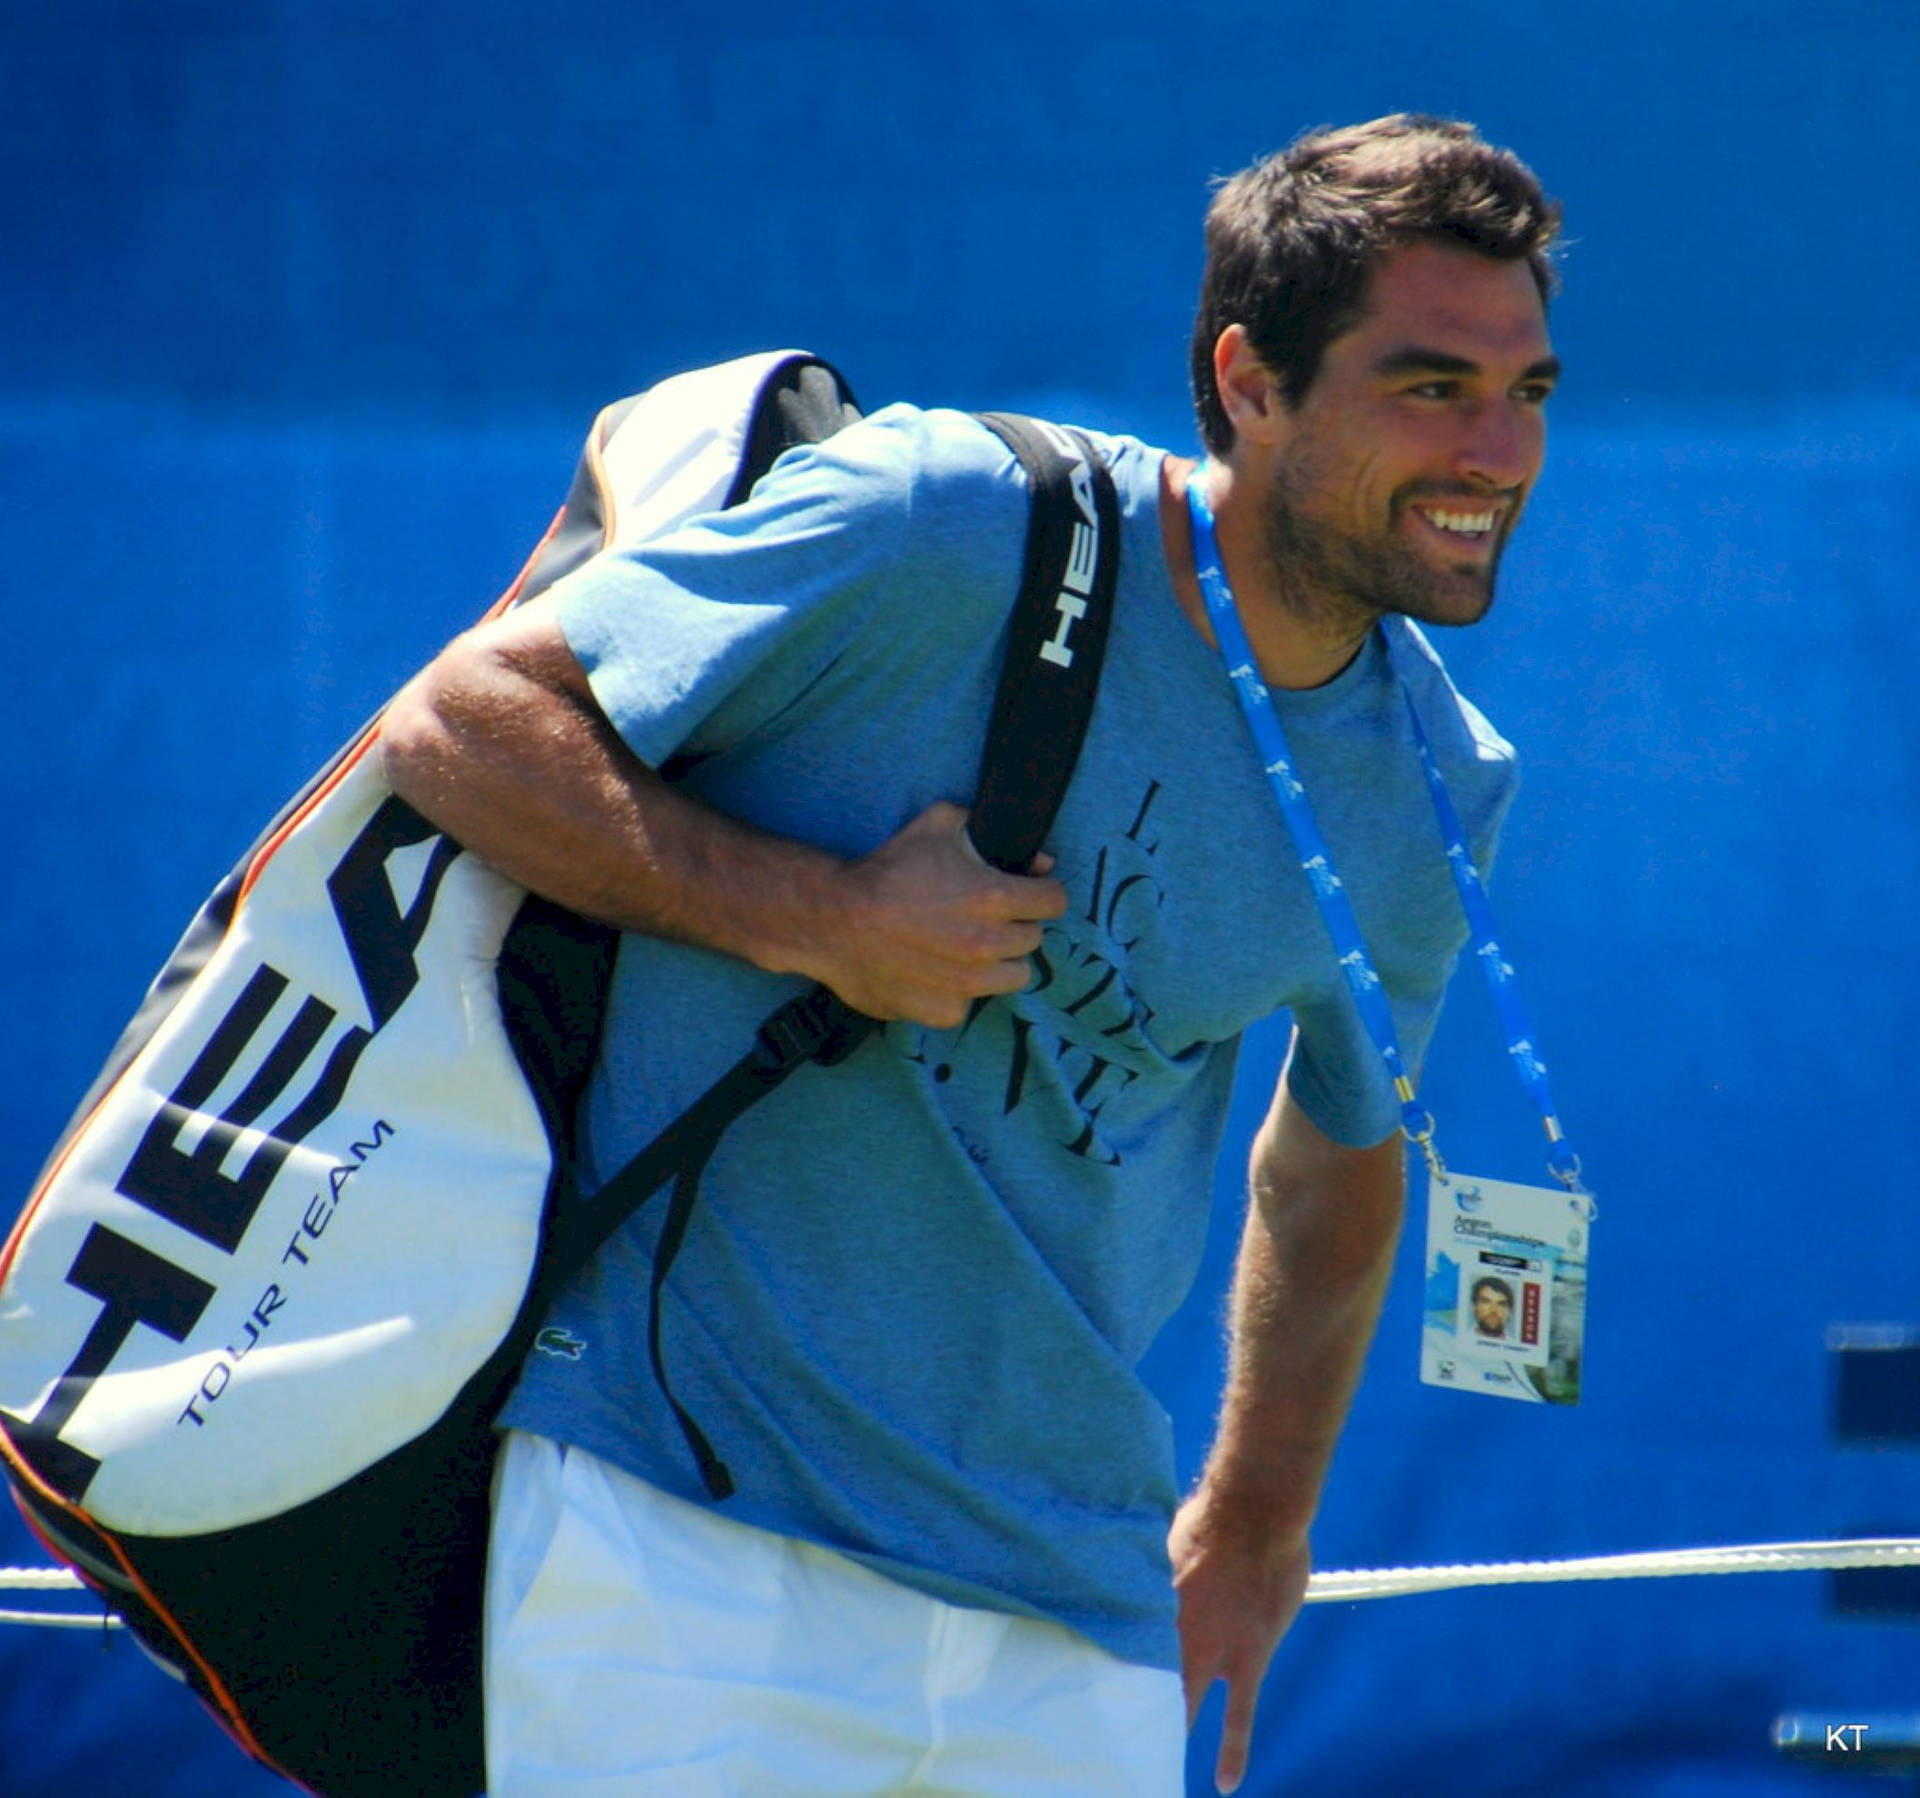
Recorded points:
(1056, 641)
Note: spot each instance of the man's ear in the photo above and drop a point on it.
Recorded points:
(1249, 391)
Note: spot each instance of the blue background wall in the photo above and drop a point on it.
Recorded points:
(304, 306)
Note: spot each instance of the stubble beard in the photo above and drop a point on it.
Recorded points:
(1340, 583)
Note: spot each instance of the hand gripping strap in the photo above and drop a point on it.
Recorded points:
(1057, 639)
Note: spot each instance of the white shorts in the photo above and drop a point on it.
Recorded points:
(637, 1645)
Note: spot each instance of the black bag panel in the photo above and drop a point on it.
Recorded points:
(553, 974)
(806, 403)
(339, 1642)
(343, 1637)
(580, 531)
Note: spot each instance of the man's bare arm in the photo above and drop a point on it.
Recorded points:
(1312, 1272)
(500, 744)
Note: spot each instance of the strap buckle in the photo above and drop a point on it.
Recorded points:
(817, 1026)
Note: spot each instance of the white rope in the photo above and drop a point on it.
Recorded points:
(1759, 1557)
(1343, 1588)
(43, 1579)
(52, 1579)
(64, 1619)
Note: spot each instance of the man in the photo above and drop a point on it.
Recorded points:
(1492, 1307)
(910, 1306)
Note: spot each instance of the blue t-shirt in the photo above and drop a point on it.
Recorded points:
(911, 1302)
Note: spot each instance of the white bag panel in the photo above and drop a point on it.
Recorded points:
(412, 1210)
(707, 411)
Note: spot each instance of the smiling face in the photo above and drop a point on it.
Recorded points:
(1398, 478)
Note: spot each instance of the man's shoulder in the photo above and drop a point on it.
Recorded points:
(958, 494)
(920, 443)
(955, 454)
(934, 474)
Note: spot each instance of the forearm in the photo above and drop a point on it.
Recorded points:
(1314, 1262)
(499, 744)
(1313, 1266)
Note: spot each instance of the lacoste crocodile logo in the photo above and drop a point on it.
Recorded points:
(556, 1342)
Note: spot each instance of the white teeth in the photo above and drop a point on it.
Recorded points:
(1470, 522)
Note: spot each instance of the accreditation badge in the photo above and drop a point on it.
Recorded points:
(1506, 1288)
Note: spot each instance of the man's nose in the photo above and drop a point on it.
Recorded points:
(1501, 446)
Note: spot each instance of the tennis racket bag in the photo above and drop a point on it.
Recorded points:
(259, 1314)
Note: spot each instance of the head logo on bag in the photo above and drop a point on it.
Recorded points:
(251, 1053)
(295, 1102)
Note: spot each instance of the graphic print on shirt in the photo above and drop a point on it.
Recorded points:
(1080, 1013)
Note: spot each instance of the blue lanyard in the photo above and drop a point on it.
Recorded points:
(1330, 893)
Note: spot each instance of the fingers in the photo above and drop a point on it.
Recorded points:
(981, 948)
(946, 1003)
(1236, 1733)
(1030, 896)
(1013, 939)
(929, 929)
(1041, 865)
(1238, 1591)
(1195, 1685)
(1040, 898)
(1236, 1726)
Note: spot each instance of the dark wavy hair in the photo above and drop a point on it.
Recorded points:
(1293, 240)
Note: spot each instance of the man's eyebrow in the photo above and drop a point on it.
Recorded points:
(1413, 360)
(1417, 360)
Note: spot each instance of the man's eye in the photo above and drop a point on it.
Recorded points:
(1435, 390)
(1534, 393)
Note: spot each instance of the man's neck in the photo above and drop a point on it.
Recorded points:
(1292, 647)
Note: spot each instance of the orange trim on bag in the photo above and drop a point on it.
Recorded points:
(228, 1714)
(512, 595)
(348, 761)
(225, 1710)
(29, 1478)
(17, 1234)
